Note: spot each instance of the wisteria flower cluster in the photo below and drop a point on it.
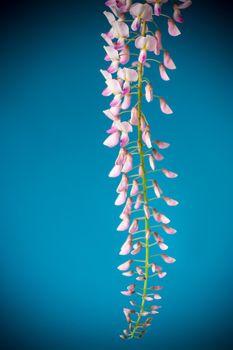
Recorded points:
(133, 42)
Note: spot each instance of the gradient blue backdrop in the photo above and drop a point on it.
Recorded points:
(59, 285)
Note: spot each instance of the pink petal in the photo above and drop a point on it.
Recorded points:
(110, 115)
(151, 43)
(126, 127)
(121, 156)
(148, 234)
(162, 246)
(123, 185)
(157, 155)
(128, 273)
(131, 287)
(156, 188)
(170, 201)
(157, 237)
(113, 67)
(138, 202)
(144, 313)
(142, 56)
(125, 266)
(134, 116)
(128, 165)
(137, 248)
(140, 42)
(153, 267)
(116, 101)
(159, 217)
(112, 130)
(139, 270)
(126, 102)
(151, 161)
(177, 15)
(110, 17)
(140, 170)
(157, 9)
(136, 9)
(112, 53)
(143, 124)
(149, 92)
(124, 140)
(148, 298)
(168, 229)
(146, 138)
(116, 170)
(134, 226)
(128, 74)
(127, 293)
(114, 85)
(124, 225)
(106, 74)
(135, 24)
(126, 87)
(146, 211)
(163, 72)
(147, 13)
(140, 278)
(162, 274)
(157, 287)
(115, 110)
(127, 313)
(158, 36)
(134, 189)
(173, 30)
(127, 209)
(107, 39)
(155, 307)
(126, 247)
(169, 173)
(144, 11)
(167, 61)
(186, 3)
(107, 92)
(164, 106)
(168, 259)
(121, 198)
(121, 29)
(161, 144)
(124, 55)
(157, 296)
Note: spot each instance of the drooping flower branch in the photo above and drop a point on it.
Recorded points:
(135, 39)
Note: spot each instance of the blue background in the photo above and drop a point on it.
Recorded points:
(59, 285)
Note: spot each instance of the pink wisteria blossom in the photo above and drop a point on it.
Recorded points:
(168, 229)
(164, 106)
(173, 30)
(167, 61)
(162, 144)
(168, 259)
(140, 12)
(125, 266)
(145, 43)
(170, 201)
(163, 72)
(157, 5)
(169, 174)
(134, 43)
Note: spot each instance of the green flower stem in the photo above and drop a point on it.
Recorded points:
(141, 153)
(154, 60)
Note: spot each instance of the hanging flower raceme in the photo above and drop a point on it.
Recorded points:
(134, 43)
